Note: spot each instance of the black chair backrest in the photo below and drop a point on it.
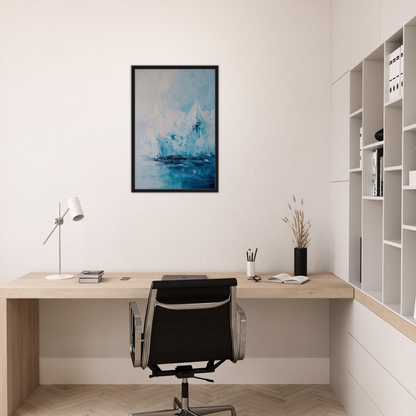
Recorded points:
(184, 336)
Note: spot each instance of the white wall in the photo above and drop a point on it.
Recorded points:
(65, 131)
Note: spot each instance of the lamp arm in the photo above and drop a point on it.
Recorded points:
(58, 221)
(65, 213)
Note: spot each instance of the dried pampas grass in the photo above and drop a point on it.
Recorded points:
(299, 227)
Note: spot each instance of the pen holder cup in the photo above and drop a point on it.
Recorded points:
(251, 269)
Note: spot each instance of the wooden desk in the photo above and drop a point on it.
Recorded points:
(19, 315)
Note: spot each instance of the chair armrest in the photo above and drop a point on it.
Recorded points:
(135, 335)
(241, 331)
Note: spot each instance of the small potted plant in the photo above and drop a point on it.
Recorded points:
(302, 239)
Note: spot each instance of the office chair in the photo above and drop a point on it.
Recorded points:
(186, 322)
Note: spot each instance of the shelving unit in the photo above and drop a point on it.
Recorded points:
(386, 225)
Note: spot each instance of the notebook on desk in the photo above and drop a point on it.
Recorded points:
(184, 276)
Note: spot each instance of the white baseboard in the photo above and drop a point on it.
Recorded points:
(248, 371)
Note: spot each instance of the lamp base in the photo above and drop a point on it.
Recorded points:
(59, 276)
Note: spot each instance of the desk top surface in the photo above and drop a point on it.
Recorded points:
(35, 286)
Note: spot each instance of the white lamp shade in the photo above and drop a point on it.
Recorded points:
(75, 209)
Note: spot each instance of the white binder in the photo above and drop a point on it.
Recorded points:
(401, 69)
(395, 90)
(391, 57)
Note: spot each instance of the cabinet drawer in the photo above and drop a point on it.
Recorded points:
(388, 395)
(357, 401)
(393, 350)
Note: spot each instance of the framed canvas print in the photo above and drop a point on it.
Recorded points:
(174, 129)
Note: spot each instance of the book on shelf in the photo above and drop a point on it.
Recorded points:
(374, 174)
(381, 170)
(377, 174)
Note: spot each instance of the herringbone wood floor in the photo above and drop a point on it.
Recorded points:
(120, 400)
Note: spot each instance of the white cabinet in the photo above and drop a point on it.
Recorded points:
(370, 362)
(340, 38)
(339, 229)
(394, 14)
(364, 29)
(339, 129)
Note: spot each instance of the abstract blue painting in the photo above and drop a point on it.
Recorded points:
(175, 128)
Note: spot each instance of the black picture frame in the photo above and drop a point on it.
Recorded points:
(206, 179)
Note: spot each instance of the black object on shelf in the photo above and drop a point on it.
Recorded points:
(379, 135)
(301, 261)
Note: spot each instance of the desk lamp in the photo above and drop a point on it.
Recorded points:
(75, 210)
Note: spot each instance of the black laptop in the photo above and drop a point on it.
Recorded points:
(184, 276)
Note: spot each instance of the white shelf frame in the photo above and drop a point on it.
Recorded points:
(386, 224)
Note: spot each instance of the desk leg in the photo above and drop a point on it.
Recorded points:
(19, 352)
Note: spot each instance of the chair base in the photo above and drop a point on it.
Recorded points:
(179, 410)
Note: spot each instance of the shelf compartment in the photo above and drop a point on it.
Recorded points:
(393, 131)
(372, 246)
(355, 215)
(356, 89)
(395, 307)
(392, 275)
(409, 273)
(367, 155)
(409, 208)
(355, 125)
(409, 155)
(373, 104)
(393, 243)
(375, 294)
(392, 205)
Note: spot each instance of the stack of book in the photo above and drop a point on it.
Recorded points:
(412, 178)
(91, 276)
(378, 172)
